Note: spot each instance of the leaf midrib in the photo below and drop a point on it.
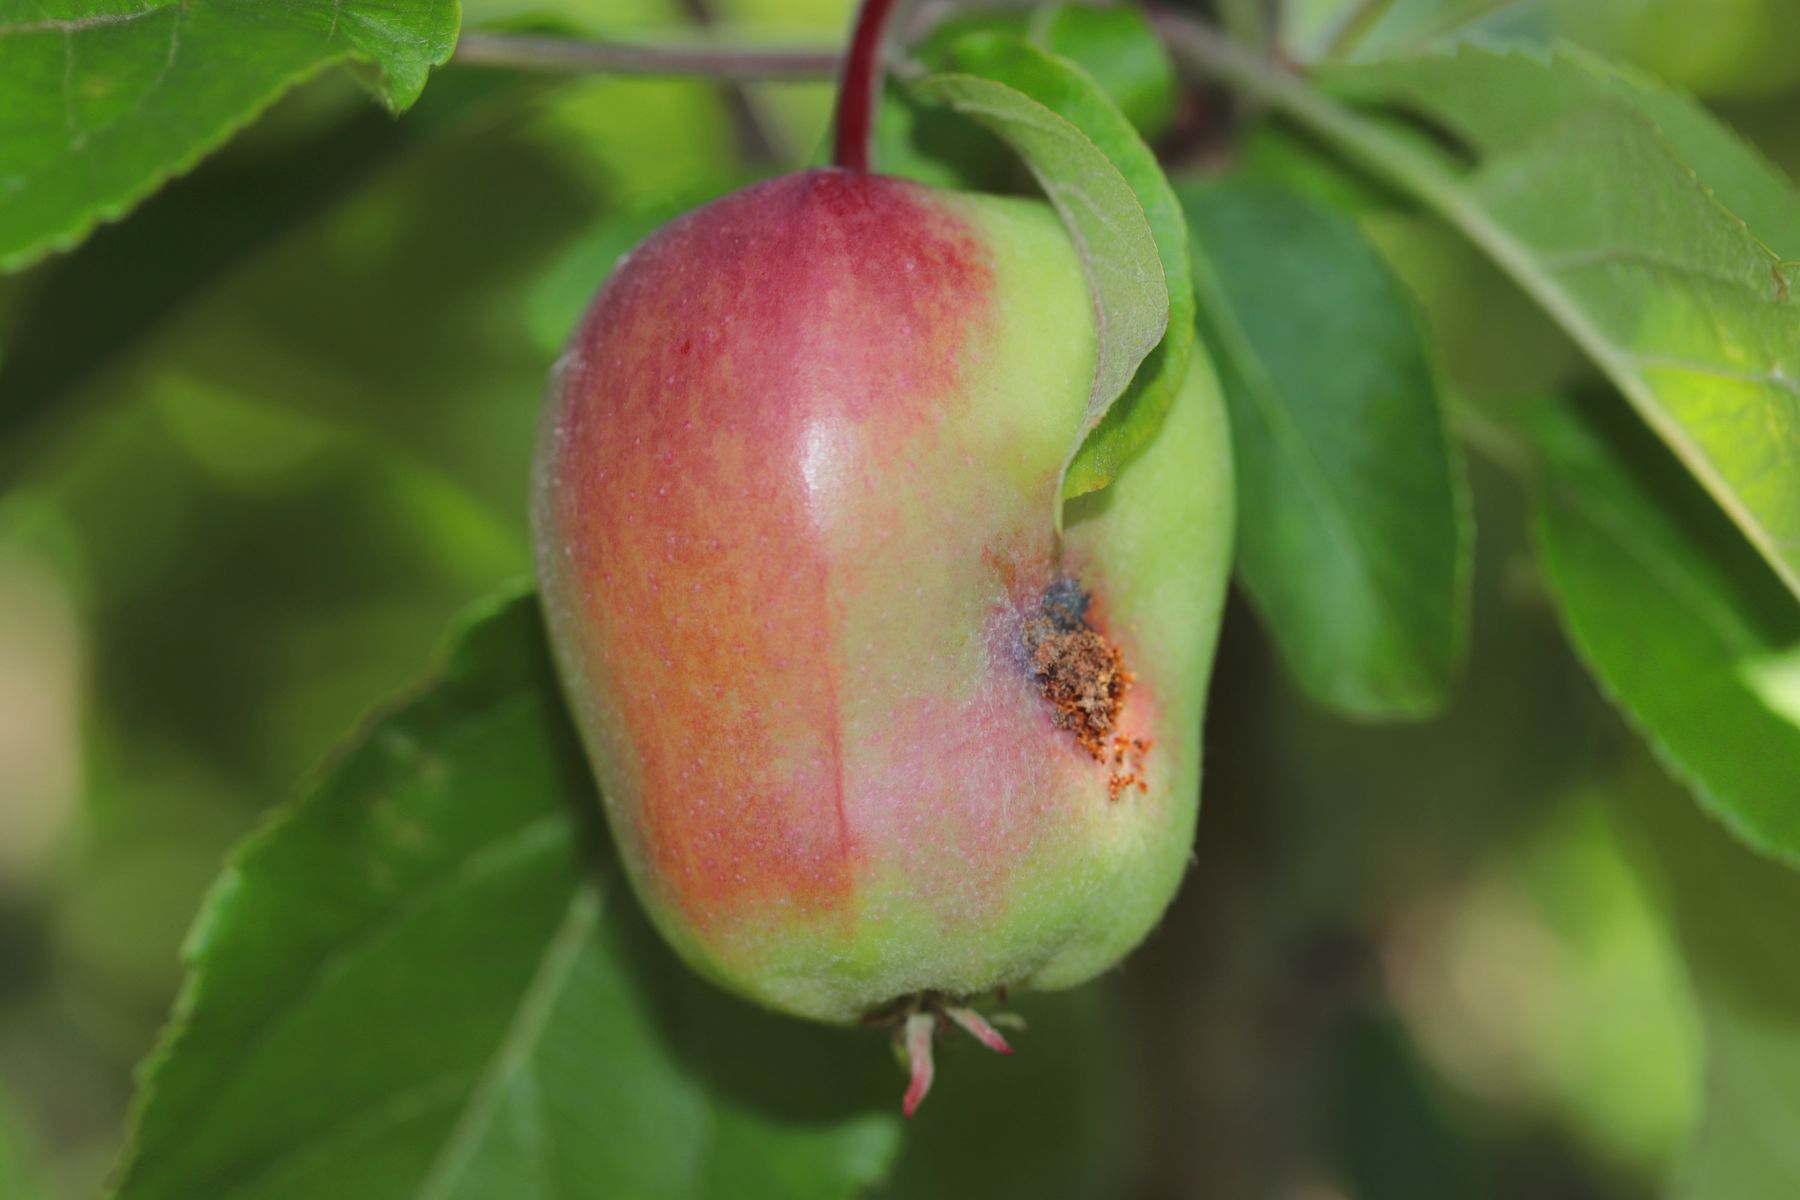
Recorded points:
(513, 1055)
(1519, 259)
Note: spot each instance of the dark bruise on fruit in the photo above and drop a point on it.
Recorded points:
(1079, 671)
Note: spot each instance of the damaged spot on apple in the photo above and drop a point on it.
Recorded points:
(1080, 672)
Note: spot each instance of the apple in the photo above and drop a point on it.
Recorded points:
(875, 740)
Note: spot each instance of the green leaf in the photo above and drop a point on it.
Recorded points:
(1115, 46)
(1120, 50)
(1656, 237)
(1668, 605)
(1733, 917)
(932, 145)
(101, 101)
(1352, 537)
(1125, 221)
(422, 980)
(1648, 231)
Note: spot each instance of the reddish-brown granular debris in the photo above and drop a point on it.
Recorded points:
(1084, 678)
(1134, 749)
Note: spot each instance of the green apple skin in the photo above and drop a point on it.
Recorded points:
(793, 512)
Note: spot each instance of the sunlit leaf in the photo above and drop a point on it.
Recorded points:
(1644, 228)
(1667, 604)
(1653, 235)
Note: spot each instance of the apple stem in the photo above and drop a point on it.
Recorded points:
(919, 1028)
(859, 86)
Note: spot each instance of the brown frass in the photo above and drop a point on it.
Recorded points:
(1079, 671)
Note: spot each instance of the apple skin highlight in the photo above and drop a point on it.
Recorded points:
(793, 523)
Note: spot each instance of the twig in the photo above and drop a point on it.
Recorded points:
(755, 140)
(1247, 21)
(1199, 48)
(671, 58)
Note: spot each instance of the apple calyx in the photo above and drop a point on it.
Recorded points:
(918, 1019)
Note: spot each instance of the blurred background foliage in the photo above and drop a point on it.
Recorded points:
(261, 442)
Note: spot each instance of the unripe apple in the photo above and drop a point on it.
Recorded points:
(871, 735)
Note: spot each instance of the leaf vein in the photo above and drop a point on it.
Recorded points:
(513, 1055)
(79, 24)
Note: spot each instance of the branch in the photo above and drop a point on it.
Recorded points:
(1365, 142)
(712, 60)
(756, 142)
